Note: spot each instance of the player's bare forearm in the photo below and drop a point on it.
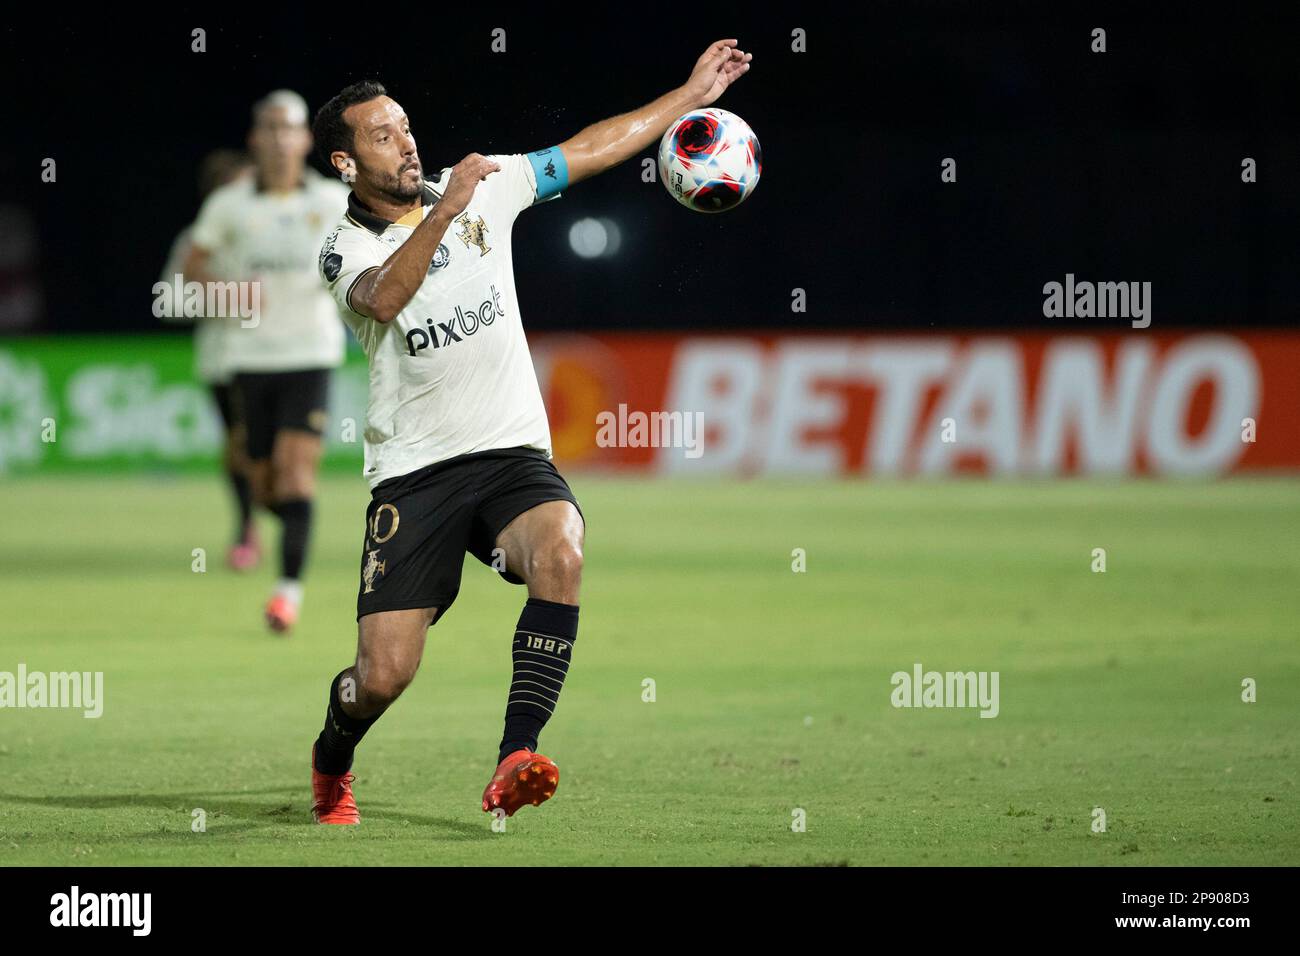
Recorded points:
(606, 144)
(603, 145)
(383, 293)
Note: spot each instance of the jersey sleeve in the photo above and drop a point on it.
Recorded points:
(344, 258)
(527, 179)
(174, 266)
(212, 227)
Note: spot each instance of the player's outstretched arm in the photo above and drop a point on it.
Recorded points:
(610, 142)
(382, 293)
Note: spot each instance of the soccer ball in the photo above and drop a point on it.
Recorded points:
(709, 160)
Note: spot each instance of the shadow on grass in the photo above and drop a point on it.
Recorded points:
(252, 815)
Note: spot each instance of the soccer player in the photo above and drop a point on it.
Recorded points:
(457, 445)
(220, 167)
(267, 230)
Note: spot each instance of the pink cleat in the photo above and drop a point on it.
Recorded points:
(246, 554)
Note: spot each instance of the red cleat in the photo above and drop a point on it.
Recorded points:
(332, 800)
(523, 777)
(281, 614)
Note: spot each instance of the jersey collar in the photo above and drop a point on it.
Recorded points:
(361, 214)
(259, 187)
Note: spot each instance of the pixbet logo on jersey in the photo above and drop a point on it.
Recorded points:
(468, 321)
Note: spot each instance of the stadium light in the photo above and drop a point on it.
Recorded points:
(594, 238)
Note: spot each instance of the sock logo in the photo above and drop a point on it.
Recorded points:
(337, 729)
(551, 645)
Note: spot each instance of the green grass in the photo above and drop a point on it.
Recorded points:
(1119, 690)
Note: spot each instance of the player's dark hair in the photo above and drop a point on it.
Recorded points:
(330, 130)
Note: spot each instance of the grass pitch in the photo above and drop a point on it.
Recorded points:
(772, 688)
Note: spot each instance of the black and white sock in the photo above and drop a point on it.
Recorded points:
(543, 644)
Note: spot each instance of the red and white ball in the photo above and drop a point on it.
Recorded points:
(709, 160)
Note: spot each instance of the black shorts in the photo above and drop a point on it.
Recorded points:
(419, 526)
(222, 395)
(267, 402)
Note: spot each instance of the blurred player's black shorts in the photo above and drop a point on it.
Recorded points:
(267, 402)
(222, 395)
(419, 526)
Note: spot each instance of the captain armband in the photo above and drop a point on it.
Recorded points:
(550, 170)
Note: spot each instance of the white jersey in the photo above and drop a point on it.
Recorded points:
(451, 374)
(209, 333)
(273, 238)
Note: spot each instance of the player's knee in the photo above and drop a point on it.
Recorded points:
(260, 487)
(383, 683)
(558, 560)
(293, 482)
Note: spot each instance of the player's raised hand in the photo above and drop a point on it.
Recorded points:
(716, 69)
(465, 176)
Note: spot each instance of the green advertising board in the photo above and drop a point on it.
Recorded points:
(96, 403)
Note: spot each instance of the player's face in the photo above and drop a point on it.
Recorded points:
(384, 149)
(279, 139)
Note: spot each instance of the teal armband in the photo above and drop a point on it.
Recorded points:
(550, 170)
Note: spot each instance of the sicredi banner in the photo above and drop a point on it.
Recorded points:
(1194, 404)
(98, 403)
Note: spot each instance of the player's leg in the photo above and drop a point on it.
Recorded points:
(245, 552)
(541, 537)
(390, 645)
(417, 529)
(290, 480)
(543, 546)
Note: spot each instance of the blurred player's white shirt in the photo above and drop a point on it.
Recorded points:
(274, 238)
(451, 374)
(209, 334)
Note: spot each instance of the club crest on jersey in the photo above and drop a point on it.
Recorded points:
(440, 258)
(464, 323)
(473, 233)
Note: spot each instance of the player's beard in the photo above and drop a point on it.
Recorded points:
(400, 190)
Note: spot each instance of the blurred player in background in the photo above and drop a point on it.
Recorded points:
(458, 446)
(268, 229)
(220, 167)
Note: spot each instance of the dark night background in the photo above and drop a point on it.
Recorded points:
(1122, 166)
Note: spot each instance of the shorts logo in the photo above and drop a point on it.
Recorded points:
(474, 233)
(440, 258)
(317, 419)
(373, 568)
(468, 321)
